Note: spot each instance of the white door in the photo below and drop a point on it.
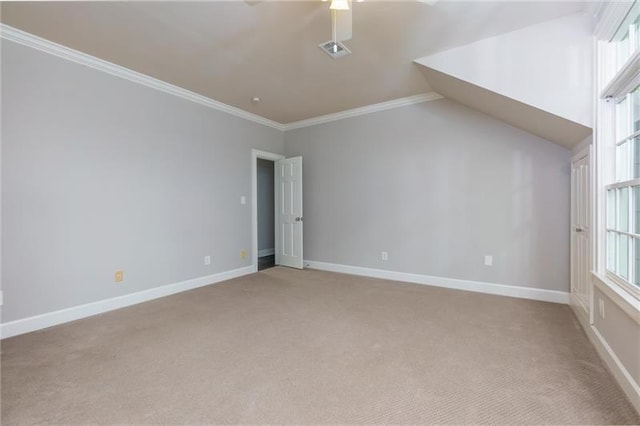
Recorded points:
(288, 204)
(580, 232)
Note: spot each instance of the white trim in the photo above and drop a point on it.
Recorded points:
(618, 295)
(579, 308)
(613, 363)
(610, 15)
(38, 322)
(476, 286)
(35, 42)
(611, 360)
(623, 184)
(382, 106)
(26, 39)
(624, 379)
(581, 154)
(255, 154)
(625, 80)
(266, 252)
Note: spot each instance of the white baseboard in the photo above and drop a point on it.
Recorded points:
(266, 252)
(479, 287)
(38, 322)
(613, 363)
(622, 376)
(579, 310)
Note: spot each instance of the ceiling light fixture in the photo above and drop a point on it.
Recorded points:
(255, 99)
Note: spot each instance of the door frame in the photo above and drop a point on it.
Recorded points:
(264, 155)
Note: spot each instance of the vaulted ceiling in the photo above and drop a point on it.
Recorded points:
(233, 51)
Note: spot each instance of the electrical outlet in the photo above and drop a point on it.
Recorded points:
(488, 260)
(119, 276)
(207, 260)
(384, 255)
(243, 254)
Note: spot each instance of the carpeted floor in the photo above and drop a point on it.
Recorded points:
(288, 346)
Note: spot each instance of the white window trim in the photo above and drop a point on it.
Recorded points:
(619, 295)
(605, 141)
(623, 184)
(630, 289)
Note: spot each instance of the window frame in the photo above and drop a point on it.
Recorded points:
(620, 79)
(625, 283)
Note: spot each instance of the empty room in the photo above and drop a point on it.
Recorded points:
(320, 212)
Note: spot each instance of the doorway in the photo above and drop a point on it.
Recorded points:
(286, 221)
(266, 218)
(262, 164)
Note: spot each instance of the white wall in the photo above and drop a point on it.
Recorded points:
(548, 66)
(265, 196)
(438, 186)
(101, 174)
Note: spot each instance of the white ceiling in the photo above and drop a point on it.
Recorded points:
(232, 51)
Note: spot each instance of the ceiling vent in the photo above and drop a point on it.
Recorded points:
(335, 49)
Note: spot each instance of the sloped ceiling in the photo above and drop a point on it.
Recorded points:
(534, 120)
(538, 78)
(233, 51)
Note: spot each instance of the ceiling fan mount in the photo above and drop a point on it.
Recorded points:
(341, 29)
(341, 25)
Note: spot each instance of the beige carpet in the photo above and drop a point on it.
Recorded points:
(287, 346)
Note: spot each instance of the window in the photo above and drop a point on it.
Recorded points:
(626, 41)
(622, 189)
(623, 196)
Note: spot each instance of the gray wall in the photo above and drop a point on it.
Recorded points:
(100, 174)
(266, 224)
(438, 186)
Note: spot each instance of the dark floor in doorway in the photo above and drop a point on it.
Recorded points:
(266, 262)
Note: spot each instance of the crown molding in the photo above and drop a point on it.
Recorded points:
(26, 39)
(382, 106)
(21, 37)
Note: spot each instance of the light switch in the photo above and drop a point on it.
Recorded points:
(243, 200)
